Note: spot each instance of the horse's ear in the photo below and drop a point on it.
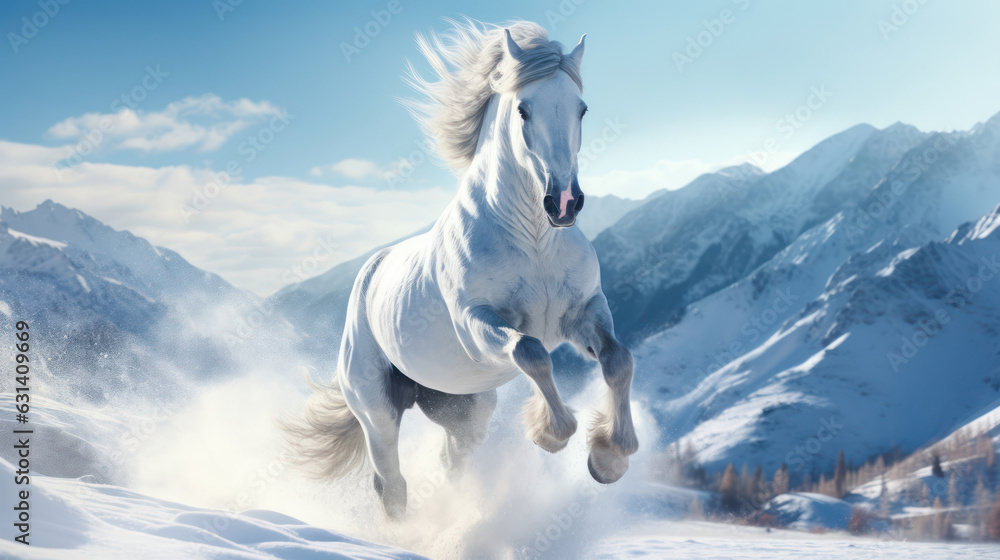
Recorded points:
(576, 55)
(510, 47)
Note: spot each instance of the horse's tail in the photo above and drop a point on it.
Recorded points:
(327, 441)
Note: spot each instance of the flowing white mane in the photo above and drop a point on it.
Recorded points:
(470, 66)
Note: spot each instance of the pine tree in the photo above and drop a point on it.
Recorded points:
(953, 499)
(936, 469)
(947, 527)
(696, 510)
(758, 492)
(781, 480)
(939, 525)
(840, 476)
(880, 465)
(994, 520)
(746, 484)
(807, 482)
(729, 490)
(922, 526)
(983, 503)
(885, 504)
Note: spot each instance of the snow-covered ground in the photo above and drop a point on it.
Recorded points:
(83, 520)
(77, 519)
(514, 502)
(713, 541)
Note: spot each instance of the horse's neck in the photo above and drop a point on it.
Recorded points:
(496, 188)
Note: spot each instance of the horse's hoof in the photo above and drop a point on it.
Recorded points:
(549, 432)
(548, 442)
(593, 473)
(393, 497)
(609, 466)
(394, 512)
(394, 506)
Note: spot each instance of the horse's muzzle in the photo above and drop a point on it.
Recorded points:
(563, 204)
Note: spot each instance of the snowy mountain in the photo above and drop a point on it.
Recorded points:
(873, 329)
(601, 212)
(686, 244)
(109, 312)
(964, 455)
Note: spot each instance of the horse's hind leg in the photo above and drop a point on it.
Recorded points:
(377, 395)
(465, 419)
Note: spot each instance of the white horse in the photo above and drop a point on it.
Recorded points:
(503, 277)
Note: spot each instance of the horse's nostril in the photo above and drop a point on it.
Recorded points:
(579, 202)
(549, 204)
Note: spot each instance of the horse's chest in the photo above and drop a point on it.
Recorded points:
(536, 302)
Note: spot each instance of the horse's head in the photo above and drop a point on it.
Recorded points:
(544, 122)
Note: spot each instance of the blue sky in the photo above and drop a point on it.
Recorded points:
(321, 173)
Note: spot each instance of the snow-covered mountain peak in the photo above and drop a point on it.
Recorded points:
(992, 124)
(837, 148)
(741, 171)
(985, 227)
(51, 220)
(900, 127)
(111, 254)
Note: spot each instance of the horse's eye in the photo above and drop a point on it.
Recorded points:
(583, 112)
(523, 111)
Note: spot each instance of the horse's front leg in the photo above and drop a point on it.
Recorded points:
(487, 335)
(612, 435)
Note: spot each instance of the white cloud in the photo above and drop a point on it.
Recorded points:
(353, 168)
(205, 122)
(251, 233)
